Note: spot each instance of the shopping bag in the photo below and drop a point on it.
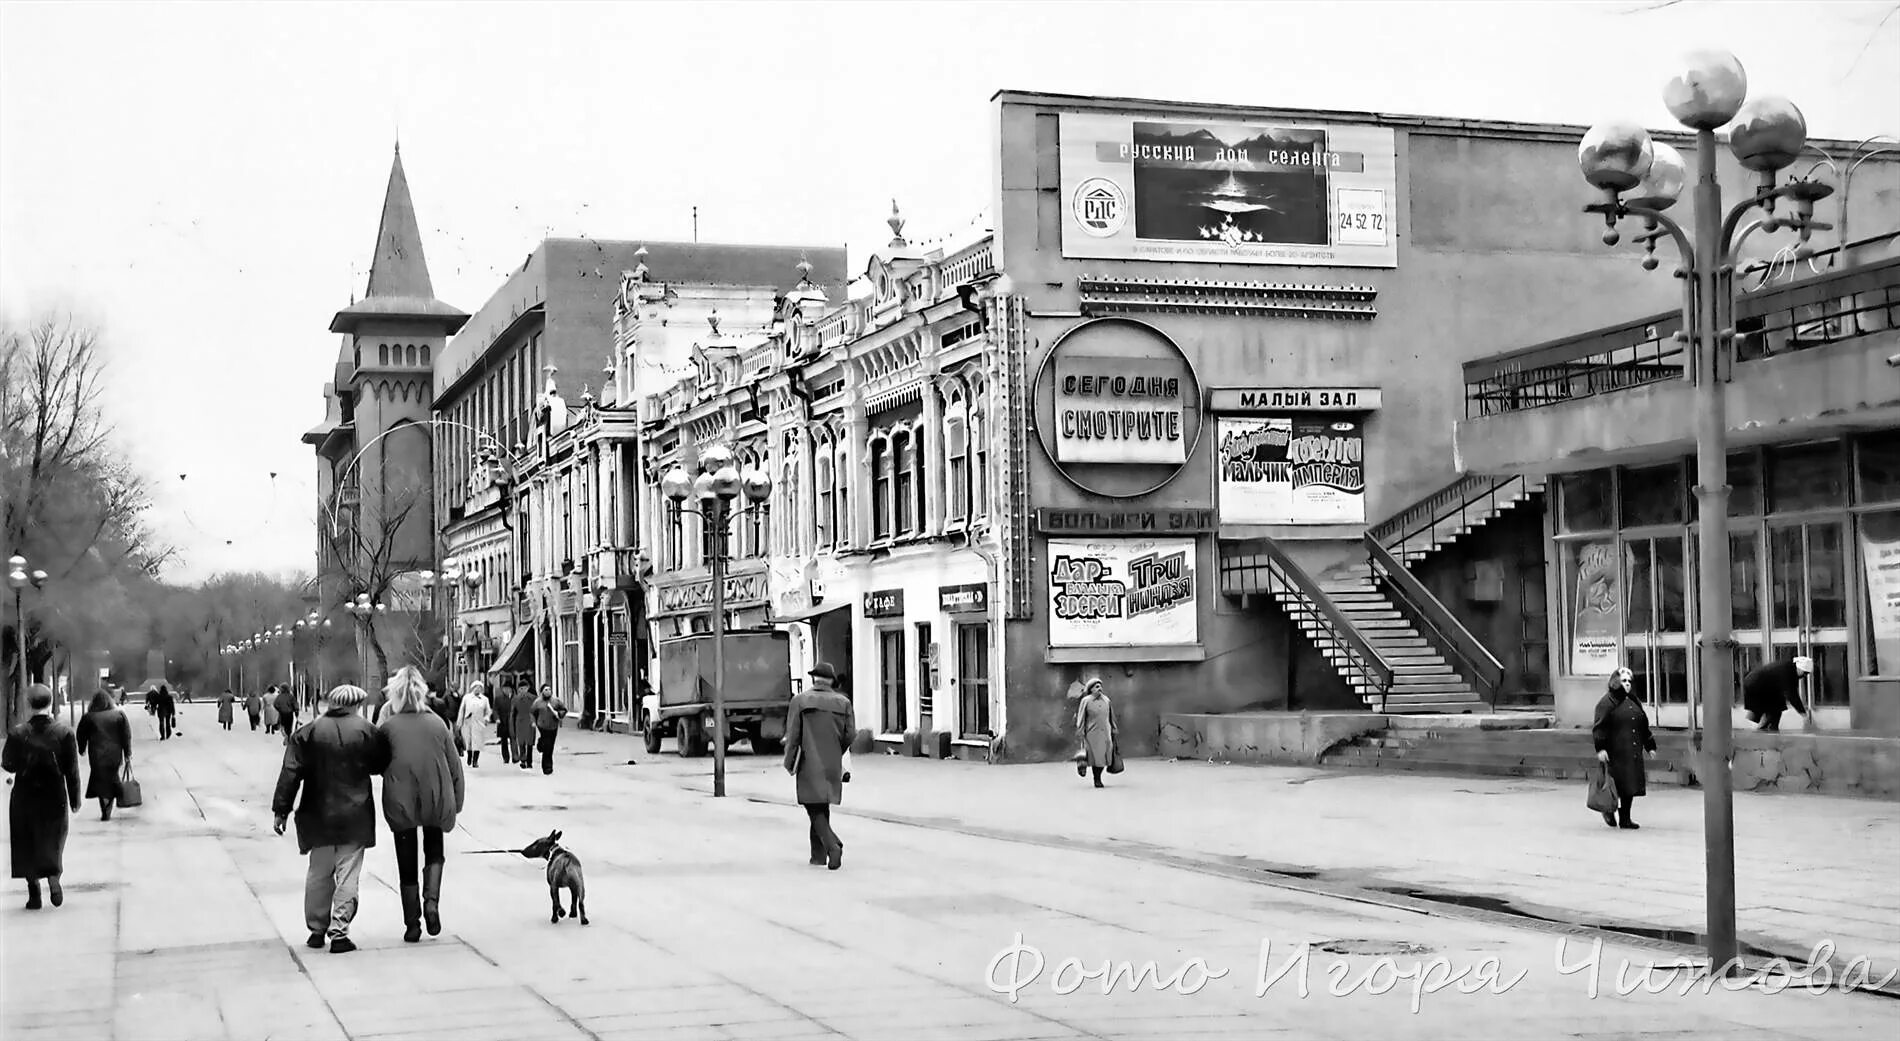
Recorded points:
(1115, 758)
(129, 792)
(1602, 797)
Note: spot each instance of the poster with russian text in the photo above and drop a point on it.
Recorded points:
(1596, 625)
(1186, 189)
(1122, 592)
(1253, 484)
(1882, 563)
(1291, 470)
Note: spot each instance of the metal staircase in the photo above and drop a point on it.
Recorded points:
(1461, 507)
(1422, 680)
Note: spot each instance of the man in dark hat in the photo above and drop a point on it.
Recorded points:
(818, 732)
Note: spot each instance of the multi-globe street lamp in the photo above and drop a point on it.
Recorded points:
(19, 578)
(1641, 177)
(718, 484)
(365, 614)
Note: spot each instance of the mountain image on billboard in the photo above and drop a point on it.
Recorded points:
(1236, 184)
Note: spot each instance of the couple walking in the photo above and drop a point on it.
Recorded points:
(330, 762)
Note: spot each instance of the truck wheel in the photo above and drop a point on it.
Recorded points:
(651, 731)
(767, 745)
(690, 738)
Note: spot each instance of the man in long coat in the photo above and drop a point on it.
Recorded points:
(332, 759)
(287, 711)
(43, 756)
(818, 730)
(522, 726)
(504, 707)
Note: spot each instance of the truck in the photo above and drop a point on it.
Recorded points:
(758, 692)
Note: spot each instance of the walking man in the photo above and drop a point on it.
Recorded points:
(505, 720)
(548, 713)
(523, 726)
(253, 707)
(287, 710)
(818, 732)
(331, 760)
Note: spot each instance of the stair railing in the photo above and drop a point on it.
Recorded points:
(1283, 575)
(1435, 621)
(1455, 500)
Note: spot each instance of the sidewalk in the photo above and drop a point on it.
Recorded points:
(1809, 868)
(183, 920)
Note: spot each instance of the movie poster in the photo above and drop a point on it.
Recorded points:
(1122, 592)
(1596, 624)
(1881, 560)
(1236, 193)
(1291, 470)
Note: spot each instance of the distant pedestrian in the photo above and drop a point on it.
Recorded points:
(548, 713)
(332, 760)
(165, 707)
(522, 726)
(226, 703)
(287, 710)
(1095, 728)
(1774, 688)
(819, 728)
(503, 707)
(423, 790)
(1622, 738)
(476, 717)
(253, 707)
(269, 701)
(44, 759)
(105, 739)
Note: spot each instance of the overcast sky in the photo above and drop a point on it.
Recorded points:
(204, 180)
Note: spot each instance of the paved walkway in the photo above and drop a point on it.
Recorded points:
(183, 920)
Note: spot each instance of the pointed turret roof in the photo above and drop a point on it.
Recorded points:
(399, 285)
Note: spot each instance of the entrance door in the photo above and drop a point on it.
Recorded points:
(1807, 582)
(1656, 628)
(926, 691)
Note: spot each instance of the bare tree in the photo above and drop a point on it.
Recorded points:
(365, 538)
(73, 506)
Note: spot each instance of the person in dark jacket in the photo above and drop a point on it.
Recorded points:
(253, 707)
(44, 759)
(105, 739)
(819, 727)
(522, 726)
(504, 708)
(165, 707)
(1622, 738)
(423, 790)
(331, 760)
(548, 712)
(1773, 688)
(227, 702)
(286, 703)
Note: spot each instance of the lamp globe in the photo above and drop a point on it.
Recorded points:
(1768, 135)
(703, 486)
(1615, 156)
(756, 484)
(725, 482)
(1708, 91)
(677, 485)
(715, 458)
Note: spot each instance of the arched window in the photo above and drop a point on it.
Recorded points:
(425, 354)
(382, 354)
(409, 355)
(903, 491)
(823, 494)
(880, 457)
(979, 460)
(841, 522)
(956, 450)
(917, 478)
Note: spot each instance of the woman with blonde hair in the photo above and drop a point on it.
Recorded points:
(422, 791)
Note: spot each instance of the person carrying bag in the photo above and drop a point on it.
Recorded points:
(130, 794)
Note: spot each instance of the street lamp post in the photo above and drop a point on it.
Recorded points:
(18, 577)
(717, 485)
(1640, 177)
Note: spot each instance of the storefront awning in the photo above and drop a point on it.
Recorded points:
(514, 656)
(809, 613)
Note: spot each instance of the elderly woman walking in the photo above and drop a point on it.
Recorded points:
(105, 739)
(44, 759)
(1095, 727)
(1622, 738)
(477, 714)
(422, 791)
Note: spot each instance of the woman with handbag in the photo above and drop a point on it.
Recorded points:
(1622, 738)
(105, 739)
(1095, 727)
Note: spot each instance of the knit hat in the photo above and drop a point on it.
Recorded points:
(346, 696)
(1804, 664)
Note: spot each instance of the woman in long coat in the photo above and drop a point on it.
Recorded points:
(422, 791)
(270, 709)
(1095, 727)
(476, 717)
(226, 702)
(253, 707)
(44, 759)
(105, 739)
(1621, 735)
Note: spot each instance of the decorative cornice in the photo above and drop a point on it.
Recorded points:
(1101, 295)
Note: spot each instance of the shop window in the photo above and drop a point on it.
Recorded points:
(881, 451)
(1744, 484)
(890, 671)
(1651, 495)
(1744, 587)
(956, 446)
(1806, 477)
(1877, 461)
(1880, 570)
(1592, 585)
(903, 454)
(973, 681)
(1585, 501)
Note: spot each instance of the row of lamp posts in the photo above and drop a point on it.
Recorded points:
(18, 577)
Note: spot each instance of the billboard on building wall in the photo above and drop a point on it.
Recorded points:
(1291, 470)
(1128, 592)
(1596, 623)
(1148, 188)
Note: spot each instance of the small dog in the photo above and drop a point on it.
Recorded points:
(564, 870)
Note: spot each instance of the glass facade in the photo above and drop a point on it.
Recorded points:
(1814, 546)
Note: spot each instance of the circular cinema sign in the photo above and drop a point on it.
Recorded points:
(1117, 407)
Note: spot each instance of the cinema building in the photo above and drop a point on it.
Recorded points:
(1231, 372)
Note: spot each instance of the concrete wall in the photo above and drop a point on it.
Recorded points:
(1297, 739)
(1514, 543)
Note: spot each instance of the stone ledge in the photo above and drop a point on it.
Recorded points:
(1293, 738)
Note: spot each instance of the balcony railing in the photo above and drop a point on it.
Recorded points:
(1814, 312)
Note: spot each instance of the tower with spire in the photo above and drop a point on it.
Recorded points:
(376, 448)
